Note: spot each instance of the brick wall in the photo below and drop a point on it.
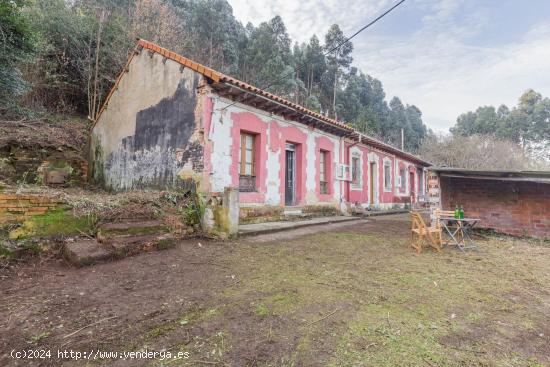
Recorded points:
(16, 207)
(516, 208)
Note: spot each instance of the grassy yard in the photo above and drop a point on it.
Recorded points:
(352, 295)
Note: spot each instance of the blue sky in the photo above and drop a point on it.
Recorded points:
(445, 56)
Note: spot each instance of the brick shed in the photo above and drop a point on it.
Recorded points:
(512, 202)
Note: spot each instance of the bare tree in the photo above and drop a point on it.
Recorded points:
(477, 152)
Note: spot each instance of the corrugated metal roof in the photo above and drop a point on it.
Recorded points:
(507, 175)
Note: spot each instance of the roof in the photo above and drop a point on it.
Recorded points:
(365, 139)
(245, 93)
(502, 175)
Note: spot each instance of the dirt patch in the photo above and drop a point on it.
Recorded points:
(48, 150)
(350, 295)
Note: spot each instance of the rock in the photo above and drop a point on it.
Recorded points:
(126, 245)
(56, 177)
(85, 252)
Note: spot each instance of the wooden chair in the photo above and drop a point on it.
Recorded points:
(438, 213)
(420, 234)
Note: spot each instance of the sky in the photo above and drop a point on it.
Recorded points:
(444, 56)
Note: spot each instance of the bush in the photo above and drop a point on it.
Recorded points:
(16, 42)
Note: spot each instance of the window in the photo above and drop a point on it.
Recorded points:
(387, 176)
(355, 170)
(323, 181)
(247, 179)
(402, 179)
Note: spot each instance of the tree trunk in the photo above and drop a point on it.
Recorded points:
(334, 94)
(95, 90)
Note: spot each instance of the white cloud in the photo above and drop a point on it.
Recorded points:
(440, 66)
(307, 17)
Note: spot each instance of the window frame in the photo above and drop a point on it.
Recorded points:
(248, 179)
(403, 179)
(356, 170)
(323, 172)
(388, 179)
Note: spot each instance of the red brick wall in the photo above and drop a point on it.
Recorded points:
(16, 207)
(516, 208)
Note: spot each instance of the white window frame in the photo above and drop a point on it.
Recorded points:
(387, 163)
(357, 154)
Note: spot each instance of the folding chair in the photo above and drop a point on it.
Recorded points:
(420, 234)
(438, 214)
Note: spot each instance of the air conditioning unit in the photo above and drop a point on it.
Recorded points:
(342, 172)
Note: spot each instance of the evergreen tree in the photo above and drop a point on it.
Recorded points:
(16, 45)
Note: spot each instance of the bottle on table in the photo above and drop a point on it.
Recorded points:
(457, 212)
(461, 212)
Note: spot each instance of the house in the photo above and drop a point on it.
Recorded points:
(169, 120)
(512, 202)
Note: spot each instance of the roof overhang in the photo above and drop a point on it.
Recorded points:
(498, 175)
(365, 139)
(289, 111)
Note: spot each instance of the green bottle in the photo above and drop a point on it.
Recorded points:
(457, 212)
(461, 212)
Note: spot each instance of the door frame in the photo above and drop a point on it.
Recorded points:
(412, 186)
(373, 176)
(290, 147)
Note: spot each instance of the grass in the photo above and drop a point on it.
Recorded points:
(57, 222)
(359, 296)
(396, 308)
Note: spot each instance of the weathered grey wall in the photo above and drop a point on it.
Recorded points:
(148, 135)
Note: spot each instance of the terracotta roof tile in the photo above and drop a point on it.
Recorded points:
(216, 76)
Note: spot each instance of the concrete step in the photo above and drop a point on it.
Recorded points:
(374, 213)
(135, 227)
(272, 227)
(127, 245)
(83, 252)
(293, 212)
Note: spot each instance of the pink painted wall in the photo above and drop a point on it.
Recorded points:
(293, 135)
(247, 122)
(386, 197)
(271, 138)
(324, 143)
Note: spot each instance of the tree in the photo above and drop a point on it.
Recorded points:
(527, 124)
(269, 58)
(16, 45)
(338, 58)
(83, 45)
(315, 63)
(465, 152)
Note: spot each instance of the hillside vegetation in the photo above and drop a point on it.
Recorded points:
(64, 56)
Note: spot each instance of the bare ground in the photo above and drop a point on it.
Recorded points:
(339, 295)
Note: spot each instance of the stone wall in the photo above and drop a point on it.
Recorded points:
(516, 208)
(149, 133)
(16, 207)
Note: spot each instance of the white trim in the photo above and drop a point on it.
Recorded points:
(355, 152)
(397, 192)
(387, 162)
(373, 158)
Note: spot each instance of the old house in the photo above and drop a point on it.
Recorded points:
(168, 119)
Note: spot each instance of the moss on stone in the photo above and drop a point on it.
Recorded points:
(52, 223)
